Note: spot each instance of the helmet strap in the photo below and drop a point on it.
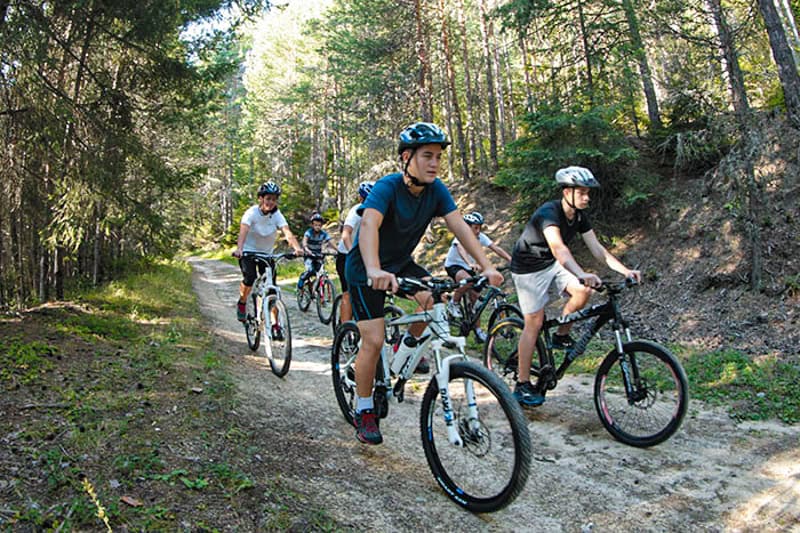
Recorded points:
(414, 180)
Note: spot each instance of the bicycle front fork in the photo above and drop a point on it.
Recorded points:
(443, 382)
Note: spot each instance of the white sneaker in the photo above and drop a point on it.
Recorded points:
(453, 309)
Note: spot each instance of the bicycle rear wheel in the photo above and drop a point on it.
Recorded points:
(491, 468)
(343, 369)
(336, 314)
(325, 296)
(641, 395)
(251, 326)
(279, 338)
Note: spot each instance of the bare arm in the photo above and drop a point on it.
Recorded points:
(243, 231)
(601, 254)
(347, 237)
(499, 251)
(290, 238)
(455, 223)
(564, 256)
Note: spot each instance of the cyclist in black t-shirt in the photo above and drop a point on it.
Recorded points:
(541, 256)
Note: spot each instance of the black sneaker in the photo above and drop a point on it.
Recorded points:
(423, 367)
(367, 430)
(562, 342)
(241, 312)
(277, 332)
(527, 394)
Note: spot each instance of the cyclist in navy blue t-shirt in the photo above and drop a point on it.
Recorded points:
(395, 215)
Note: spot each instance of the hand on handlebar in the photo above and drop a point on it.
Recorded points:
(380, 280)
(590, 280)
(635, 275)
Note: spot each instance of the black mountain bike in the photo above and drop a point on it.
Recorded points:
(470, 319)
(640, 390)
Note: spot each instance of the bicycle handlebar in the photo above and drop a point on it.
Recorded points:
(436, 285)
(321, 256)
(614, 286)
(270, 257)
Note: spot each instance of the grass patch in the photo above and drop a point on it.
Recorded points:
(124, 387)
(752, 390)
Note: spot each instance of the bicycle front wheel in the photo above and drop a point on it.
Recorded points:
(642, 394)
(343, 368)
(500, 350)
(325, 296)
(251, 326)
(491, 468)
(304, 297)
(279, 337)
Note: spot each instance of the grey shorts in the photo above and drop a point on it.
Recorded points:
(532, 288)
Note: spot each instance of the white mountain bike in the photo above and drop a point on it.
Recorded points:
(474, 433)
(267, 315)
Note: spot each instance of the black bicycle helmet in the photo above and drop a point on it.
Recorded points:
(269, 187)
(420, 134)
(365, 188)
(474, 218)
(576, 177)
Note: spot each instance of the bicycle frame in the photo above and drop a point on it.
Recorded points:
(435, 337)
(492, 295)
(605, 312)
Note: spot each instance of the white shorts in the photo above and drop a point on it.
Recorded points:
(532, 288)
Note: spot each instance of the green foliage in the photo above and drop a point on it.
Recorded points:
(557, 137)
(752, 389)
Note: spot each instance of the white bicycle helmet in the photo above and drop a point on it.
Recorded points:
(576, 177)
(474, 218)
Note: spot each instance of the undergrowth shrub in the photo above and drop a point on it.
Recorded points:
(557, 137)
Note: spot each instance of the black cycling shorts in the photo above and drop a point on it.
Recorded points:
(452, 270)
(368, 303)
(248, 265)
(340, 261)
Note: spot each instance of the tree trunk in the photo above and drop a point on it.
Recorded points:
(644, 66)
(468, 91)
(526, 67)
(490, 93)
(586, 53)
(502, 120)
(426, 106)
(787, 68)
(451, 83)
(731, 57)
(791, 28)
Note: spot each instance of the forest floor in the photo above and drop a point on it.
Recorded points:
(714, 475)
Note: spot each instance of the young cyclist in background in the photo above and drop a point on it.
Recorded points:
(460, 265)
(315, 240)
(257, 233)
(349, 230)
(395, 216)
(541, 256)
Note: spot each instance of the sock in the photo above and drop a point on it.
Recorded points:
(362, 404)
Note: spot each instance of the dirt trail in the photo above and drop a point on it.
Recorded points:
(713, 475)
